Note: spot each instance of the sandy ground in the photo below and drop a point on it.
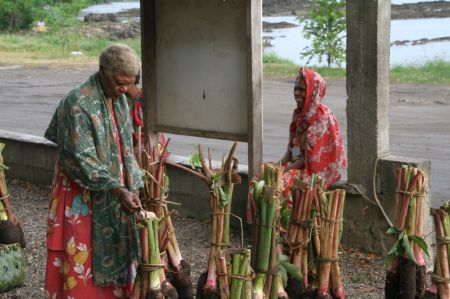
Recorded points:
(419, 116)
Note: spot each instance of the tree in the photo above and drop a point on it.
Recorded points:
(325, 26)
(15, 15)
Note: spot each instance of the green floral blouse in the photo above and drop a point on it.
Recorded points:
(88, 151)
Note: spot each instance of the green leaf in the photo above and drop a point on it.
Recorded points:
(258, 187)
(195, 161)
(215, 180)
(393, 231)
(223, 196)
(408, 251)
(395, 251)
(421, 243)
(292, 270)
(284, 277)
(283, 258)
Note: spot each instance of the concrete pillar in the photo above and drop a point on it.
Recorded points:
(368, 31)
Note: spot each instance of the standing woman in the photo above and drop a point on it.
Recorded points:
(315, 142)
(91, 234)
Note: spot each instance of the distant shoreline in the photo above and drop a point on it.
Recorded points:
(420, 10)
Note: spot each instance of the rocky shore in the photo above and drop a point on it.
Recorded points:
(436, 9)
(111, 26)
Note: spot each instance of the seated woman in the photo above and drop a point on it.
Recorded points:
(315, 142)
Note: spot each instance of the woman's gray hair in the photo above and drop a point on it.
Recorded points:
(119, 58)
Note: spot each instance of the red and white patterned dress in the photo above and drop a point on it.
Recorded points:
(314, 133)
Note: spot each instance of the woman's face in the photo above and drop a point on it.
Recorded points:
(115, 85)
(300, 91)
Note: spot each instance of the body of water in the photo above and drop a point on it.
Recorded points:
(289, 42)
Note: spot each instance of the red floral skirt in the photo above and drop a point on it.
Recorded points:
(69, 241)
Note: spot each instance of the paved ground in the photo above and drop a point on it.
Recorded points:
(419, 116)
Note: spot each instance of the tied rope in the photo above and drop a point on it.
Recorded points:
(323, 260)
(439, 279)
(412, 194)
(442, 240)
(272, 271)
(339, 220)
(145, 267)
(2, 199)
(315, 230)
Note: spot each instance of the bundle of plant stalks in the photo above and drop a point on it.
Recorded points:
(10, 229)
(406, 277)
(265, 201)
(303, 234)
(151, 280)
(328, 283)
(441, 272)
(155, 199)
(235, 273)
(220, 183)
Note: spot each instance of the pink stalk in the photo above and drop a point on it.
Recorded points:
(404, 211)
(420, 206)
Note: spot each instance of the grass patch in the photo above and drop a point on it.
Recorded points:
(431, 72)
(276, 67)
(55, 50)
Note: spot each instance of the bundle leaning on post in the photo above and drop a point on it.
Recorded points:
(441, 272)
(302, 243)
(328, 278)
(406, 276)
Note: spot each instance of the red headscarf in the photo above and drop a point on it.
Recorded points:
(317, 126)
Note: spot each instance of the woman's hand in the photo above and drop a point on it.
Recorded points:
(129, 201)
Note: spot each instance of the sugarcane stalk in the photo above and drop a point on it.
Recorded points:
(305, 239)
(236, 288)
(398, 201)
(266, 207)
(324, 271)
(336, 284)
(407, 196)
(211, 282)
(262, 264)
(244, 270)
(270, 286)
(5, 207)
(444, 288)
(247, 292)
(293, 224)
(255, 229)
(154, 276)
(206, 171)
(223, 277)
(229, 188)
(420, 207)
(145, 254)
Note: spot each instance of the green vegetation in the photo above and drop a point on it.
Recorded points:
(45, 49)
(432, 72)
(436, 72)
(325, 26)
(23, 14)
